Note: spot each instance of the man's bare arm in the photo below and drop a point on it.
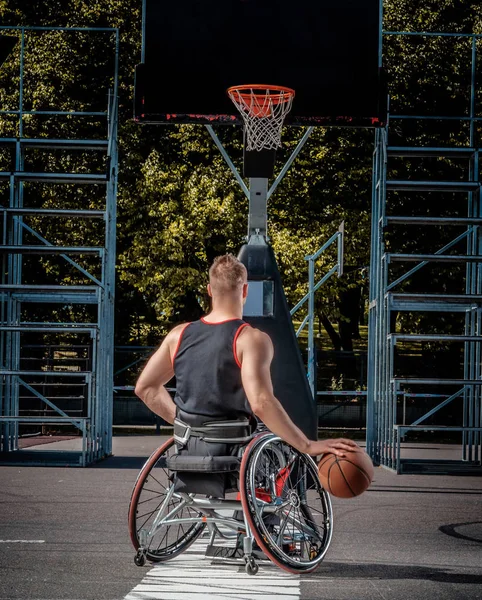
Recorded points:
(157, 372)
(255, 350)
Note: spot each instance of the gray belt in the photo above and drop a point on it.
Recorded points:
(236, 432)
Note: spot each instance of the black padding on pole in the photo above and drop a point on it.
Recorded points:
(287, 370)
(258, 163)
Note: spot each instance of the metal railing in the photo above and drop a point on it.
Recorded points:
(313, 287)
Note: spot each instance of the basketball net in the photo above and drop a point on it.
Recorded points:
(263, 109)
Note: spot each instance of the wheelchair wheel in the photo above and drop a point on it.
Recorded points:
(153, 498)
(286, 507)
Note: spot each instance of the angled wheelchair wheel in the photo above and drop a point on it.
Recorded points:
(152, 501)
(287, 509)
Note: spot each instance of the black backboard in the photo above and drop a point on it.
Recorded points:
(193, 50)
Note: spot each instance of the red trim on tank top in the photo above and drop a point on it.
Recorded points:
(240, 328)
(219, 322)
(179, 342)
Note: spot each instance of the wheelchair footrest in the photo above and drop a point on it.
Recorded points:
(224, 552)
(237, 553)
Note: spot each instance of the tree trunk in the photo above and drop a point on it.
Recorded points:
(350, 301)
(330, 330)
(348, 326)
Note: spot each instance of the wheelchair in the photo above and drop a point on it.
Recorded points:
(273, 506)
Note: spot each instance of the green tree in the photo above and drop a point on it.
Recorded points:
(178, 203)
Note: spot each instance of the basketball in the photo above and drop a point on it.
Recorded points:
(346, 477)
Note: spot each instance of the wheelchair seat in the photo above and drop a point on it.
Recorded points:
(205, 446)
(203, 464)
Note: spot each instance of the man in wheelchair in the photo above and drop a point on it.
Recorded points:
(224, 395)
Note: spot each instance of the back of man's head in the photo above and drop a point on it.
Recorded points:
(227, 275)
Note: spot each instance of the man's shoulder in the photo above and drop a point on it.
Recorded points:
(178, 328)
(255, 335)
(255, 344)
(175, 333)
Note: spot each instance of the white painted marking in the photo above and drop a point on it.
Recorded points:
(162, 595)
(22, 541)
(194, 576)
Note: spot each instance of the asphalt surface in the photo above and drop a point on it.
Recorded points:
(63, 536)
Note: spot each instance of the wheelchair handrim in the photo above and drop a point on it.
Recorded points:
(250, 457)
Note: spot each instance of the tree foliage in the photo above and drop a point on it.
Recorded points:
(178, 203)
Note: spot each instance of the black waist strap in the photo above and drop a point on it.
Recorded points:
(236, 432)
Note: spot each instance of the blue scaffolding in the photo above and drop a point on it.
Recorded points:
(76, 311)
(313, 287)
(456, 410)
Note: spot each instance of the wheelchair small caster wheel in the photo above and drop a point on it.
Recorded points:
(140, 558)
(251, 566)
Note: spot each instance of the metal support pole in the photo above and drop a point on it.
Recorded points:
(290, 160)
(311, 324)
(20, 88)
(341, 248)
(229, 162)
(258, 207)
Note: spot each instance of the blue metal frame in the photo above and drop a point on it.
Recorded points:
(96, 425)
(313, 287)
(384, 431)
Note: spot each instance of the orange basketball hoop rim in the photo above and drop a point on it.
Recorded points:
(258, 100)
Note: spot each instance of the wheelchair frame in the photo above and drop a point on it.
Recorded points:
(301, 543)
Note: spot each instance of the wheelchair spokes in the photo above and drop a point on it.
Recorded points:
(154, 502)
(280, 505)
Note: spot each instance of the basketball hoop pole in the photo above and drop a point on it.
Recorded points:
(257, 218)
(263, 109)
(258, 210)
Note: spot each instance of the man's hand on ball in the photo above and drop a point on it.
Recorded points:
(337, 446)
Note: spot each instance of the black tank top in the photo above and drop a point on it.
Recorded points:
(207, 370)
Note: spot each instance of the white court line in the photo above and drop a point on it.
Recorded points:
(193, 576)
(22, 541)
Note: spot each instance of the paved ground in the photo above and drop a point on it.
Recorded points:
(63, 536)
(40, 440)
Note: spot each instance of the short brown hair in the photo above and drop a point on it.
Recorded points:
(227, 273)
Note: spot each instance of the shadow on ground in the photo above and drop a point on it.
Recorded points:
(388, 571)
(120, 462)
